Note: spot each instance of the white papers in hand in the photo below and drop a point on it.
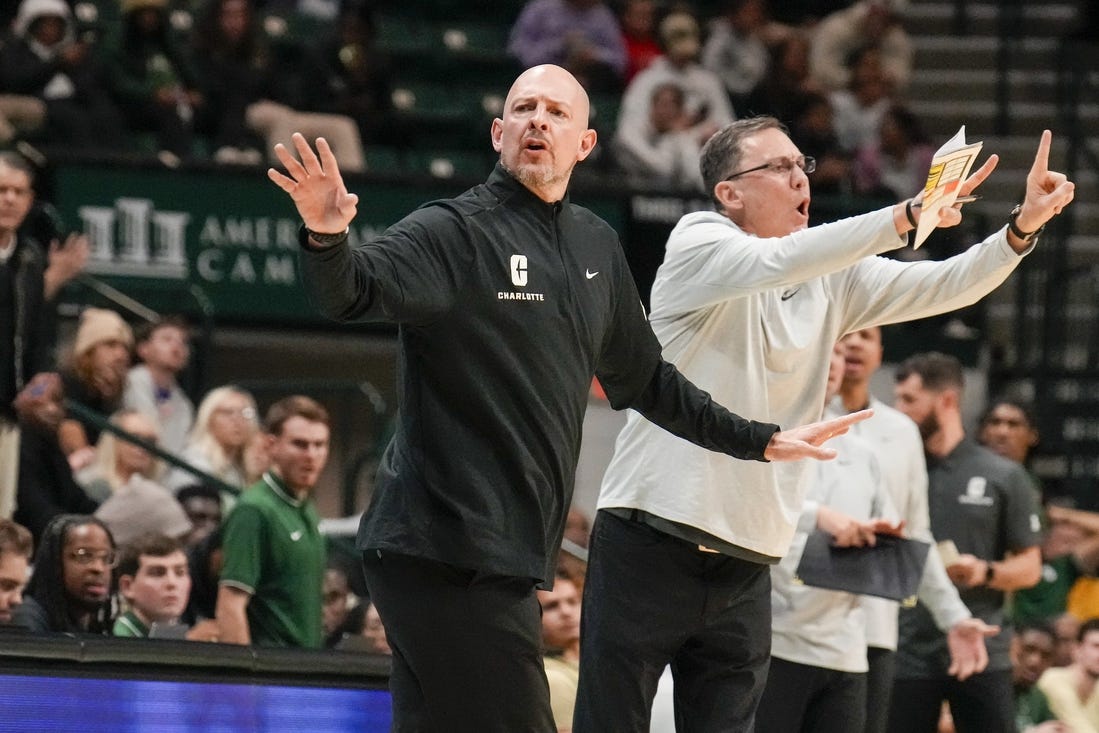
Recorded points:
(949, 168)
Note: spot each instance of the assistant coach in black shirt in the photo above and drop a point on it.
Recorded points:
(509, 298)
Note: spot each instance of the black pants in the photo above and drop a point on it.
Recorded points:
(651, 599)
(803, 699)
(879, 688)
(467, 647)
(984, 703)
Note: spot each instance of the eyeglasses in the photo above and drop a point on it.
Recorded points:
(245, 413)
(85, 557)
(784, 166)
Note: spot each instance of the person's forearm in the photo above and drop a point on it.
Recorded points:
(1016, 572)
(233, 627)
(674, 403)
(232, 617)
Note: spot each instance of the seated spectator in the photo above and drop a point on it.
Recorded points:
(705, 100)
(224, 425)
(351, 77)
(1071, 691)
(152, 387)
(202, 505)
(813, 131)
(1066, 627)
(783, 92)
(15, 554)
(155, 583)
(737, 50)
(839, 38)
(46, 487)
(1031, 655)
(252, 101)
(152, 81)
(341, 612)
(1070, 551)
(117, 459)
(859, 109)
(561, 636)
(374, 632)
(638, 21)
(94, 377)
(45, 59)
(572, 560)
(70, 589)
(20, 115)
(896, 164)
(141, 507)
(205, 560)
(582, 36)
(662, 154)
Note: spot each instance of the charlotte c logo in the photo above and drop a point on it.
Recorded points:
(519, 270)
(975, 492)
(519, 280)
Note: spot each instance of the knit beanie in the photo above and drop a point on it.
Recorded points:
(98, 325)
(140, 507)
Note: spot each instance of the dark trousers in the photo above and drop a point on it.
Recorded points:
(800, 698)
(879, 688)
(982, 704)
(651, 599)
(467, 647)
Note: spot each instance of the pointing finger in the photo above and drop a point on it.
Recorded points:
(1041, 158)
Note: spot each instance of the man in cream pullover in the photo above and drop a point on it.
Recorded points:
(748, 303)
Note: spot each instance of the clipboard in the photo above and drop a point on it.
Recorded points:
(890, 569)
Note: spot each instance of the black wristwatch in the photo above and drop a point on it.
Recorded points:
(990, 571)
(327, 240)
(1014, 228)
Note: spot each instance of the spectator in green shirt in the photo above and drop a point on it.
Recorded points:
(155, 580)
(1031, 655)
(271, 584)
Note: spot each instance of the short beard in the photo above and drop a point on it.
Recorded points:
(929, 426)
(537, 177)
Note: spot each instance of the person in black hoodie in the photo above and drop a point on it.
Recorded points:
(508, 299)
(47, 60)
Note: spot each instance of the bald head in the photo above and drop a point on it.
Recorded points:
(555, 82)
(544, 130)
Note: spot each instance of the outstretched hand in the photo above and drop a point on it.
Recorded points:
(1047, 193)
(807, 441)
(966, 642)
(315, 185)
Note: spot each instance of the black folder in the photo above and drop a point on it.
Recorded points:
(890, 569)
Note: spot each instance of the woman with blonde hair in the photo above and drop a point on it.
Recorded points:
(224, 426)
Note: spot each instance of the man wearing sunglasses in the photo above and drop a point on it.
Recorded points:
(747, 304)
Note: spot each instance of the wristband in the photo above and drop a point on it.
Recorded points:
(908, 214)
(327, 240)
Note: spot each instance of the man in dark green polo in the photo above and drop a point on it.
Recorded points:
(270, 590)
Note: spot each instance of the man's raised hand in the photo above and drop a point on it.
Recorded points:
(315, 185)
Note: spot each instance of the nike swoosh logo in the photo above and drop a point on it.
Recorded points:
(295, 535)
(589, 274)
(789, 294)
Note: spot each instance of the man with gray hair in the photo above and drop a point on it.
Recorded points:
(747, 304)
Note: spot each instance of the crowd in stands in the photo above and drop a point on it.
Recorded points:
(223, 80)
